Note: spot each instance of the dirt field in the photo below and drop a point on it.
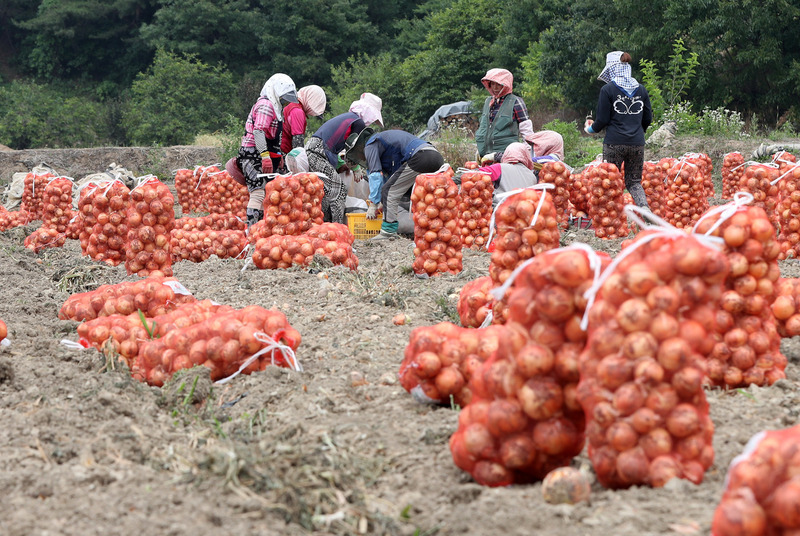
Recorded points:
(339, 448)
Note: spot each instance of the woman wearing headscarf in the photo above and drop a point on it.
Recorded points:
(624, 110)
(259, 152)
(504, 118)
(328, 141)
(311, 102)
(515, 170)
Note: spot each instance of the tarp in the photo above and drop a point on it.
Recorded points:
(454, 108)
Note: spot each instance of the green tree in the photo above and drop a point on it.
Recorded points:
(177, 98)
(34, 115)
(87, 39)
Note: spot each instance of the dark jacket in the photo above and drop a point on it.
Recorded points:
(624, 116)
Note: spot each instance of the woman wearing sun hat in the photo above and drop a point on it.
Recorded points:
(624, 111)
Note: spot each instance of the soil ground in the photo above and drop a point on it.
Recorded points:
(338, 449)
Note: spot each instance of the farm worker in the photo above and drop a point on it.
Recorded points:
(393, 159)
(504, 116)
(546, 143)
(328, 141)
(259, 151)
(514, 171)
(624, 110)
(311, 102)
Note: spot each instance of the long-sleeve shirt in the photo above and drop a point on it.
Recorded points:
(624, 116)
(262, 117)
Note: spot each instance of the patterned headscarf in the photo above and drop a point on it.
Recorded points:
(502, 77)
(518, 153)
(279, 85)
(618, 72)
(312, 99)
(368, 108)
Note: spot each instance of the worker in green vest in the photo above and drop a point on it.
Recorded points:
(504, 118)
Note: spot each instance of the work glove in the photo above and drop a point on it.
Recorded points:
(373, 209)
(266, 162)
(487, 159)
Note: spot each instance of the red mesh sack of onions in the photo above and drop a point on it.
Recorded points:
(745, 339)
(579, 194)
(215, 222)
(337, 232)
(558, 174)
(705, 168)
(224, 195)
(10, 219)
(472, 164)
(33, 193)
(153, 296)
(686, 200)
(732, 171)
(197, 246)
(292, 204)
(475, 209)
(606, 204)
(762, 488)
(123, 334)
(151, 218)
(56, 214)
(526, 224)
(102, 209)
(786, 306)
(187, 186)
(653, 175)
(437, 238)
(284, 251)
(44, 237)
(760, 180)
(789, 211)
(784, 159)
(643, 367)
(239, 341)
(475, 302)
(439, 361)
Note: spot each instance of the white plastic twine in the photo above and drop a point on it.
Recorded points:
(177, 287)
(791, 169)
(145, 179)
(108, 184)
(664, 230)
(247, 262)
(244, 251)
(726, 211)
(504, 197)
(271, 345)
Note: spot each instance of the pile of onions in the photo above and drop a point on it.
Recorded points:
(151, 218)
(153, 296)
(643, 367)
(223, 343)
(475, 209)
(760, 181)
(472, 164)
(284, 251)
(762, 487)
(705, 167)
(437, 238)
(10, 219)
(732, 171)
(475, 302)
(337, 232)
(292, 204)
(786, 306)
(33, 193)
(789, 211)
(606, 204)
(686, 200)
(579, 194)
(188, 189)
(197, 246)
(653, 175)
(124, 333)
(440, 360)
(526, 225)
(102, 214)
(224, 195)
(558, 174)
(745, 339)
(56, 215)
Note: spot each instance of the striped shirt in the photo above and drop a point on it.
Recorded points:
(262, 117)
(520, 110)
